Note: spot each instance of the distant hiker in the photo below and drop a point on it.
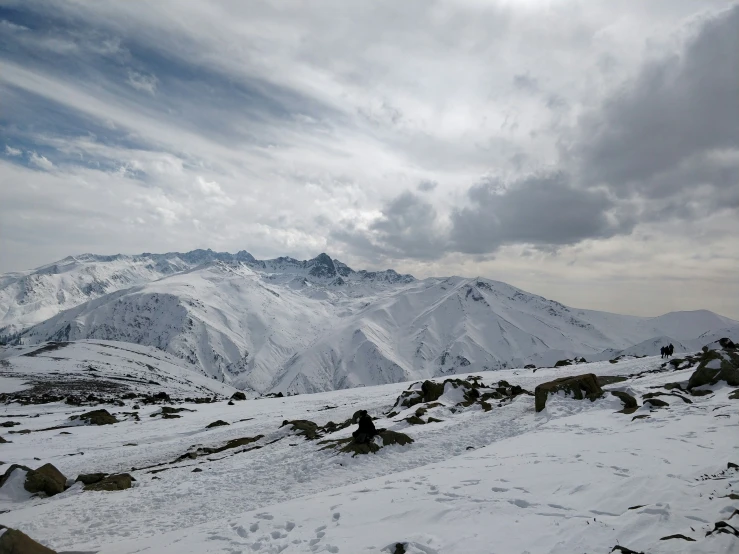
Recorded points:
(366, 431)
(662, 351)
(670, 350)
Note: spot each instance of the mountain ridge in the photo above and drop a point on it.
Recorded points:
(301, 326)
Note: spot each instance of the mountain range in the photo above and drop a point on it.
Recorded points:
(315, 325)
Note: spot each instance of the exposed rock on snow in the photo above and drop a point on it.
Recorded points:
(579, 387)
(96, 417)
(90, 478)
(13, 541)
(630, 403)
(47, 479)
(119, 482)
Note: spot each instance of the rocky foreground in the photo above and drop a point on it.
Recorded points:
(630, 455)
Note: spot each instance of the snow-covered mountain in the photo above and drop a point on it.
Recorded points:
(308, 326)
(30, 297)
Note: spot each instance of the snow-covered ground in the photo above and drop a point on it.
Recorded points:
(107, 367)
(576, 477)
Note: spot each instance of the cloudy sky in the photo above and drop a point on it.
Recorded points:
(587, 151)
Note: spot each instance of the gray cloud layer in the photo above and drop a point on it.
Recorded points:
(430, 136)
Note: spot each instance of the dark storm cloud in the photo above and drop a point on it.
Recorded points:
(677, 109)
(408, 228)
(542, 209)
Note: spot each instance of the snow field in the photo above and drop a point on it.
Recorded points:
(508, 480)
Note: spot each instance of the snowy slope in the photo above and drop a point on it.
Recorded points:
(317, 325)
(30, 297)
(105, 368)
(577, 477)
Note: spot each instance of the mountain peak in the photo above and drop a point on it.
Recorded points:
(322, 266)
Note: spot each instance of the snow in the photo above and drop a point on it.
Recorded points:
(12, 490)
(286, 325)
(577, 477)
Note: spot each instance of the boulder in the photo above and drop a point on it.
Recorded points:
(97, 417)
(90, 478)
(118, 482)
(578, 386)
(46, 479)
(712, 369)
(308, 429)
(13, 541)
(656, 402)
(2, 440)
(562, 363)
(630, 403)
(238, 395)
(10, 470)
(218, 423)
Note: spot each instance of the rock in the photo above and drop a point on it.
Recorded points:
(677, 536)
(9, 423)
(624, 550)
(529, 366)
(734, 395)
(46, 479)
(630, 404)
(162, 396)
(238, 395)
(90, 478)
(303, 427)
(399, 548)
(13, 541)
(705, 375)
(97, 417)
(10, 470)
(655, 402)
(579, 386)
(118, 482)
(197, 470)
(2, 440)
(231, 403)
(562, 363)
(727, 344)
(218, 423)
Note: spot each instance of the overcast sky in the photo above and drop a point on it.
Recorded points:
(586, 151)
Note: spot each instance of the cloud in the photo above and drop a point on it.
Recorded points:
(10, 151)
(40, 161)
(525, 82)
(678, 109)
(427, 185)
(144, 83)
(538, 135)
(543, 210)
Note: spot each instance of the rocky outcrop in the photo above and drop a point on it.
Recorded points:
(90, 478)
(715, 366)
(238, 395)
(96, 417)
(46, 479)
(579, 387)
(630, 403)
(117, 482)
(13, 541)
(307, 429)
